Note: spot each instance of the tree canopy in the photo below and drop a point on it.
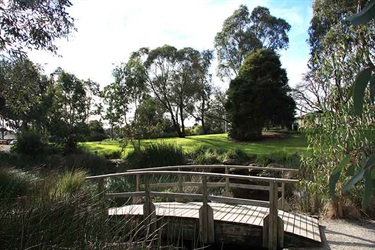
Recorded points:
(243, 33)
(24, 91)
(33, 24)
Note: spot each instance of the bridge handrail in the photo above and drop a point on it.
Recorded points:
(221, 175)
(228, 200)
(183, 167)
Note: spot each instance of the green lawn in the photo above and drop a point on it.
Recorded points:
(291, 143)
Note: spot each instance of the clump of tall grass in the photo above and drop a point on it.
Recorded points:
(14, 183)
(156, 155)
(206, 155)
(60, 212)
(288, 160)
(240, 155)
(70, 184)
(91, 163)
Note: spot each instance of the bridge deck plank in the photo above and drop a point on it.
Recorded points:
(301, 225)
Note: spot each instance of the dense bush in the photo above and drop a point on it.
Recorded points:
(14, 183)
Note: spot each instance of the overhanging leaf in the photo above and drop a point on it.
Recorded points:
(372, 89)
(367, 190)
(355, 179)
(335, 176)
(373, 174)
(370, 162)
(344, 162)
(365, 15)
(333, 179)
(359, 87)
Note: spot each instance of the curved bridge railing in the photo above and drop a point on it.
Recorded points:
(273, 228)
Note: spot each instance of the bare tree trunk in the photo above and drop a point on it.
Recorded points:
(182, 135)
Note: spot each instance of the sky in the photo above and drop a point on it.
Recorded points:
(108, 31)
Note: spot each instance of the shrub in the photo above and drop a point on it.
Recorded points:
(112, 154)
(29, 143)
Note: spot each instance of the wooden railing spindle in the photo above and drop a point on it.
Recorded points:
(180, 186)
(226, 182)
(137, 185)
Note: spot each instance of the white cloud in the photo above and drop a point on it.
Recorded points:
(108, 31)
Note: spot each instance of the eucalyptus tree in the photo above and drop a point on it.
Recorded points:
(340, 141)
(187, 82)
(25, 94)
(150, 118)
(33, 24)
(245, 32)
(202, 98)
(71, 108)
(175, 77)
(110, 99)
(125, 95)
(216, 113)
(131, 81)
(311, 95)
(161, 65)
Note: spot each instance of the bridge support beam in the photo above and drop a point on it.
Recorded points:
(206, 218)
(273, 225)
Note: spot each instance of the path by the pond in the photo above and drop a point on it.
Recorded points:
(342, 234)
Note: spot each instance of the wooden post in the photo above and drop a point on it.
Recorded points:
(206, 217)
(226, 182)
(101, 188)
(283, 195)
(149, 213)
(137, 184)
(273, 225)
(272, 230)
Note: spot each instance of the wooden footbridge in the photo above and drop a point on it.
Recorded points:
(202, 207)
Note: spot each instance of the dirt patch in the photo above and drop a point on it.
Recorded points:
(267, 135)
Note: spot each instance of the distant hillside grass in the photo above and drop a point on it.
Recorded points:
(273, 142)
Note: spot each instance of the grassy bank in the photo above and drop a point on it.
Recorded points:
(272, 142)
